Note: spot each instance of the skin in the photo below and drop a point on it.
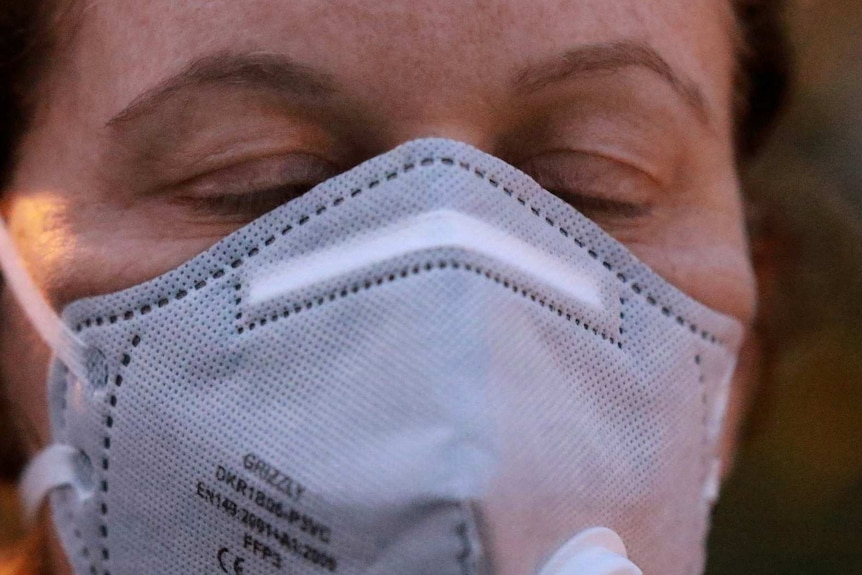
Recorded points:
(116, 184)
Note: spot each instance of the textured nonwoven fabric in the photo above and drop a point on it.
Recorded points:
(437, 409)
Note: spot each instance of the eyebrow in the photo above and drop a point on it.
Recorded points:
(609, 58)
(257, 70)
(280, 74)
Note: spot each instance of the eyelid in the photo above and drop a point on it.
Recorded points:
(594, 182)
(242, 207)
(616, 208)
(259, 175)
(622, 160)
(244, 191)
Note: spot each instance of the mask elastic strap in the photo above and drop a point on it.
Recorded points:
(65, 344)
(57, 465)
(54, 467)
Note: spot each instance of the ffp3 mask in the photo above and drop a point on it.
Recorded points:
(426, 365)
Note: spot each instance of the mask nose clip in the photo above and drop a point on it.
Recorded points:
(596, 551)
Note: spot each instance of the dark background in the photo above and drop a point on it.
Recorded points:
(793, 504)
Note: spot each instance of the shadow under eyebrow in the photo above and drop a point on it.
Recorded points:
(610, 57)
(258, 70)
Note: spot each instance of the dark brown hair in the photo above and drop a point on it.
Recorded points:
(763, 72)
(26, 42)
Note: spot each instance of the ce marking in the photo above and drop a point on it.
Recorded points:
(224, 560)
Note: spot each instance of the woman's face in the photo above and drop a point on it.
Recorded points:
(164, 126)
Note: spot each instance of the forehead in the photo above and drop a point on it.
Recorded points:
(423, 51)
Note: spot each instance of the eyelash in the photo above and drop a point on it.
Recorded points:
(592, 205)
(244, 206)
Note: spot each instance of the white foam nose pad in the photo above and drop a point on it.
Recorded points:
(596, 551)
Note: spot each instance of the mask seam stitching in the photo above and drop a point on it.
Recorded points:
(623, 329)
(412, 271)
(704, 448)
(447, 161)
(67, 511)
(125, 360)
(704, 397)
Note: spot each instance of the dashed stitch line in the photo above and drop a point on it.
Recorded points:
(481, 174)
(85, 550)
(705, 448)
(70, 517)
(707, 452)
(705, 400)
(415, 270)
(125, 360)
(622, 328)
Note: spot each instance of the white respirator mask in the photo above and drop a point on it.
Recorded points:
(428, 365)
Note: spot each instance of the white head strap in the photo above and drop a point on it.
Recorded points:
(56, 466)
(62, 341)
